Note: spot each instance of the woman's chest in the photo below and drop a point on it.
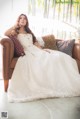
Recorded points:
(25, 39)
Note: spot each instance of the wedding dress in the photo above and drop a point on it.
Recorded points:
(42, 74)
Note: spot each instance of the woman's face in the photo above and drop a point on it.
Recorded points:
(22, 21)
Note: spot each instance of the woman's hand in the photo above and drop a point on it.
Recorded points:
(16, 26)
(47, 50)
(14, 29)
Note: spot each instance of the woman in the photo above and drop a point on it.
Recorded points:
(39, 73)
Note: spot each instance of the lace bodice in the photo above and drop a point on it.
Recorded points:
(25, 40)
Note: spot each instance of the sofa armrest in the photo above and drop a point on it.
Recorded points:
(7, 55)
(76, 50)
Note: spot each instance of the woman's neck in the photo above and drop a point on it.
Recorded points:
(22, 30)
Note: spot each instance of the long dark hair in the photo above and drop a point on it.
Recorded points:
(27, 29)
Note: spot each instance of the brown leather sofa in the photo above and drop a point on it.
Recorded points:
(9, 60)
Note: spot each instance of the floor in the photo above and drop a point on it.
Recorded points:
(57, 108)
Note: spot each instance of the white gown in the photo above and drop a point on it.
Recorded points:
(40, 74)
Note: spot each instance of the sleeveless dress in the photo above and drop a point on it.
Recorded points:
(40, 74)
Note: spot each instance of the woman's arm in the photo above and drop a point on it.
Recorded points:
(11, 31)
(37, 44)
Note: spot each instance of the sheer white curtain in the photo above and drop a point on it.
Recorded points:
(40, 14)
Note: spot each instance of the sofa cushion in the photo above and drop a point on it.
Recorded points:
(18, 49)
(76, 50)
(65, 46)
(50, 42)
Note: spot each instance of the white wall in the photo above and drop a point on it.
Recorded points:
(5, 14)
